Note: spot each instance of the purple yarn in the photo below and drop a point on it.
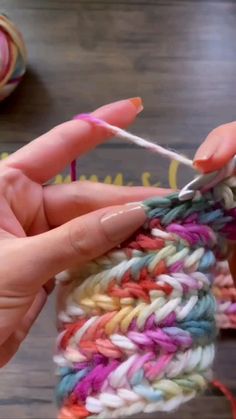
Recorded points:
(179, 336)
(193, 233)
(96, 360)
(182, 232)
(232, 212)
(230, 231)
(100, 378)
(186, 288)
(99, 359)
(133, 325)
(141, 361)
(73, 173)
(157, 339)
(191, 218)
(94, 380)
(201, 230)
(164, 341)
(231, 309)
(183, 341)
(81, 365)
(170, 320)
(150, 323)
(141, 339)
(176, 267)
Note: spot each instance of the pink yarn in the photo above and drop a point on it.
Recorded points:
(12, 57)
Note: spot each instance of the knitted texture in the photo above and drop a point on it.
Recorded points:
(12, 57)
(139, 322)
(225, 293)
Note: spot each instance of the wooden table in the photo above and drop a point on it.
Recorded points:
(180, 56)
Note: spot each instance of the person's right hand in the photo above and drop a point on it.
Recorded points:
(217, 150)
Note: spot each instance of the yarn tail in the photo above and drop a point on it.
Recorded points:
(227, 394)
(73, 174)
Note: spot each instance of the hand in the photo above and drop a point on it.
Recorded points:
(46, 229)
(218, 148)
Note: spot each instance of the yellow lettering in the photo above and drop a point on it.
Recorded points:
(146, 179)
(58, 179)
(93, 178)
(67, 179)
(119, 180)
(4, 156)
(157, 184)
(173, 169)
(108, 180)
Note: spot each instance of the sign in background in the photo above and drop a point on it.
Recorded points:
(124, 164)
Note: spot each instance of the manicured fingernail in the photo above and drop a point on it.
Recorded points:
(203, 162)
(138, 104)
(207, 151)
(119, 224)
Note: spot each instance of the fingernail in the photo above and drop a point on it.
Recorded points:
(202, 163)
(207, 152)
(119, 224)
(138, 104)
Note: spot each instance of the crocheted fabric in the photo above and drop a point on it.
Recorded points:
(139, 322)
(225, 293)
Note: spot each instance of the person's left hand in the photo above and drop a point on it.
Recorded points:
(36, 220)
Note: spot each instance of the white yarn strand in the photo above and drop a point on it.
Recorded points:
(141, 142)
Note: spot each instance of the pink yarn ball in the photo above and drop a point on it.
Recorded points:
(12, 57)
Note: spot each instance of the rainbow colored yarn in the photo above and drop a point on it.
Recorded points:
(12, 57)
(139, 322)
(225, 293)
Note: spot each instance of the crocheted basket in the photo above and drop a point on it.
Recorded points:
(139, 322)
(225, 293)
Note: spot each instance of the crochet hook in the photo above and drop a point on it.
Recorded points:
(206, 181)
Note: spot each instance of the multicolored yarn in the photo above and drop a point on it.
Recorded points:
(139, 323)
(12, 57)
(225, 292)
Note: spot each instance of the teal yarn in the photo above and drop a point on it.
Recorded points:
(142, 317)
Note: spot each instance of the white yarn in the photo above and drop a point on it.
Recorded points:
(141, 142)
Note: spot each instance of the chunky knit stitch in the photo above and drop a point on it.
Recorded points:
(139, 322)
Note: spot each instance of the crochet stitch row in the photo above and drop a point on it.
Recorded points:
(139, 322)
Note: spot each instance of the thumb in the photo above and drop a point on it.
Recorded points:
(76, 242)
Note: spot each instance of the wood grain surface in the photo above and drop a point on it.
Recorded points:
(180, 56)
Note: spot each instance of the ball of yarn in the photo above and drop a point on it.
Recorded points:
(139, 323)
(12, 57)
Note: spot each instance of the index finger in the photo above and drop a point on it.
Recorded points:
(50, 153)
